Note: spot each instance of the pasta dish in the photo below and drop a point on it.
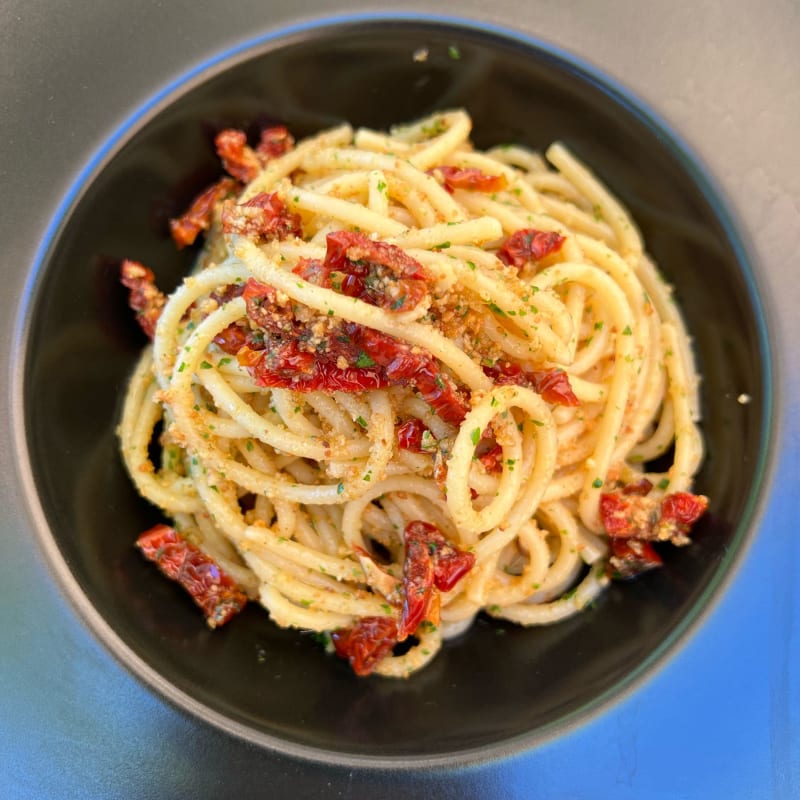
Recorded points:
(408, 382)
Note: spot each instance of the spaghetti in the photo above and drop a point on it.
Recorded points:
(408, 382)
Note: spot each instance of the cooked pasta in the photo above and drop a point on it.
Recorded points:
(409, 382)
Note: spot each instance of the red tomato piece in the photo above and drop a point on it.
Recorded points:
(505, 373)
(364, 645)
(264, 312)
(468, 178)
(554, 387)
(409, 435)
(275, 141)
(418, 576)
(378, 273)
(351, 358)
(630, 558)
(145, 298)
(617, 515)
(238, 159)
(553, 384)
(406, 364)
(450, 563)
(209, 586)
(287, 367)
(492, 459)
(642, 487)
(233, 338)
(436, 387)
(632, 512)
(312, 271)
(528, 244)
(683, 508)
(228, 293)
(351, 246)
(197, 218)
(679, 511)
(264, 216)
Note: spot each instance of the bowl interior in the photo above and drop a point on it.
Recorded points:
(497, 685)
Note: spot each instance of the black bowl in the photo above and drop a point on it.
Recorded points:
(498, 688)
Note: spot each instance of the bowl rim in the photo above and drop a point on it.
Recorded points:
(287, 36)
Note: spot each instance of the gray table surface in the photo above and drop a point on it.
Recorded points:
(722, 719)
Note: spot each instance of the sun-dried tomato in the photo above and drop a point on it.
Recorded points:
(552, 384)
(235, 337)
(264, 216)
(492, 459)
(437, 388)
(418, 575)
(197, 218)
(350, 358)
(344, 246)
(527, 245)
(312, 271)
(554, 387)
(450, 563)
(145, 297)
(227, 293)
(288, 367)
(637, 514)
(238, 159)
(378, 273)
(679, 511)
(367, 643)
(274, 142)
(410, 433)
(623, 517)
(209, 586)
(630, 558)
(468, 178)
(407, 364)
(265, 312)
(642, 487)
